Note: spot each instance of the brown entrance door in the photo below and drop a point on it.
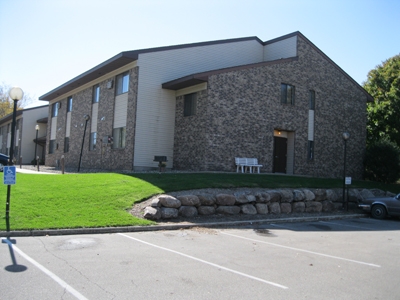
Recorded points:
(280, 153)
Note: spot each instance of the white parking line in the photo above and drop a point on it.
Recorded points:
(206, 262)
(302, 250)
(53, 276)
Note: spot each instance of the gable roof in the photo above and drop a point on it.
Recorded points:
(123, 59)
(127, 57)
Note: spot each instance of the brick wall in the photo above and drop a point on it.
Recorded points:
(238, 113)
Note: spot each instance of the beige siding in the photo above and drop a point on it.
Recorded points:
(281, 49)
(17, 138)
(93, 120)
(53, 132)
(120, 113)
(155, 117)
(310, 125)
(68, 126)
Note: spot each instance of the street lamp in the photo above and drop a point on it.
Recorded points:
(87, 118)
(37, 127)
(346, 136)
(15, 94)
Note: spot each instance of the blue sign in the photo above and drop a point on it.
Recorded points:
(10, 174)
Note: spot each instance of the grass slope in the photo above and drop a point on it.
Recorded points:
(104, 199)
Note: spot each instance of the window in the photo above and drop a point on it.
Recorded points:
(122, 83)
(119, 135)
(66, 144)
(312, 100)
(93, 139)
(54, 110)
(189, 105)
(69, 104)
(310, 151)
(52, 146)
(96, 94)
(287, 94)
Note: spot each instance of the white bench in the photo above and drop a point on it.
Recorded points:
(247, 163)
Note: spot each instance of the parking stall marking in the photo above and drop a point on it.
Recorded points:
(53, 276)
(302, 250)
(206, 262)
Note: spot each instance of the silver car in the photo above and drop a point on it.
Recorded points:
(380, 207)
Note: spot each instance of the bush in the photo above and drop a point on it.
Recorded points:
(382, 162)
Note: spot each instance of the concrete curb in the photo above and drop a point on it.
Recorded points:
(54, 232)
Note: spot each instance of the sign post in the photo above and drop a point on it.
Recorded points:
(347, 182)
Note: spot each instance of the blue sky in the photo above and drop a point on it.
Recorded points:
(45, 43)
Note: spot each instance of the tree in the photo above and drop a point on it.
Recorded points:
(383, 84)
(6, 104)
(382, 162)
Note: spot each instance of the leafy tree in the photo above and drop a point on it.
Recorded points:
(383, 84)
(382, 162)
(6, 104)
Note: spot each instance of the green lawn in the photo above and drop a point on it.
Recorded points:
(104, 199)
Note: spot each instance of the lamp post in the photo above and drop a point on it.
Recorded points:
(346, 136)
(37, 127)
(87, 118)
(15, 94)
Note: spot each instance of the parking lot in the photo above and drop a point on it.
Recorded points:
(338, 259)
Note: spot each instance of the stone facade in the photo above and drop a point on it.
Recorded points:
(239, 111)
(103, 156)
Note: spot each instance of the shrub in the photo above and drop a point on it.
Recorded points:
(382, 162)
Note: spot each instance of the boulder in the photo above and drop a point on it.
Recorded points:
(298, 195)
(248, 209)
(206, 199)
(263, 197)
(274, 196)
(168, 213)
(298, 207)
(152, 213)
(155, 202)
(327, 206)
(353, 195)
(262, 208)
(244, 198)
(187, 211)
(169, 201)
(313, 206)
(332, 195)
(286, 195)
(225, 199)
(228, 210)
(286, 208)
(275, 208)
(189, 200)
(366, 194)
(308, 195)
(206, 210)
(320, 194)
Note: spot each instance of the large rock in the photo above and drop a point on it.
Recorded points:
(286, 195)
(248, 209)
(228, 210)
(152, 213)
(169, 201)
(225, 199)
(262, 208)
(286, 208)
(366, 194)
(206, 210)
(275, 208)
(327, 206)
(155, 202)
(313, 206)
(206, 199)
(169, 213)
(275, 196)
(263, 197)
(188, 211)
(244, 198)
(353, 195)
(298, 207)
(298, 195)
(332, 195)
(189, 200)
(308, 195)
(320, 194)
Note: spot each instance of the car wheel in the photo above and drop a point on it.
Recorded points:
(378, 211)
